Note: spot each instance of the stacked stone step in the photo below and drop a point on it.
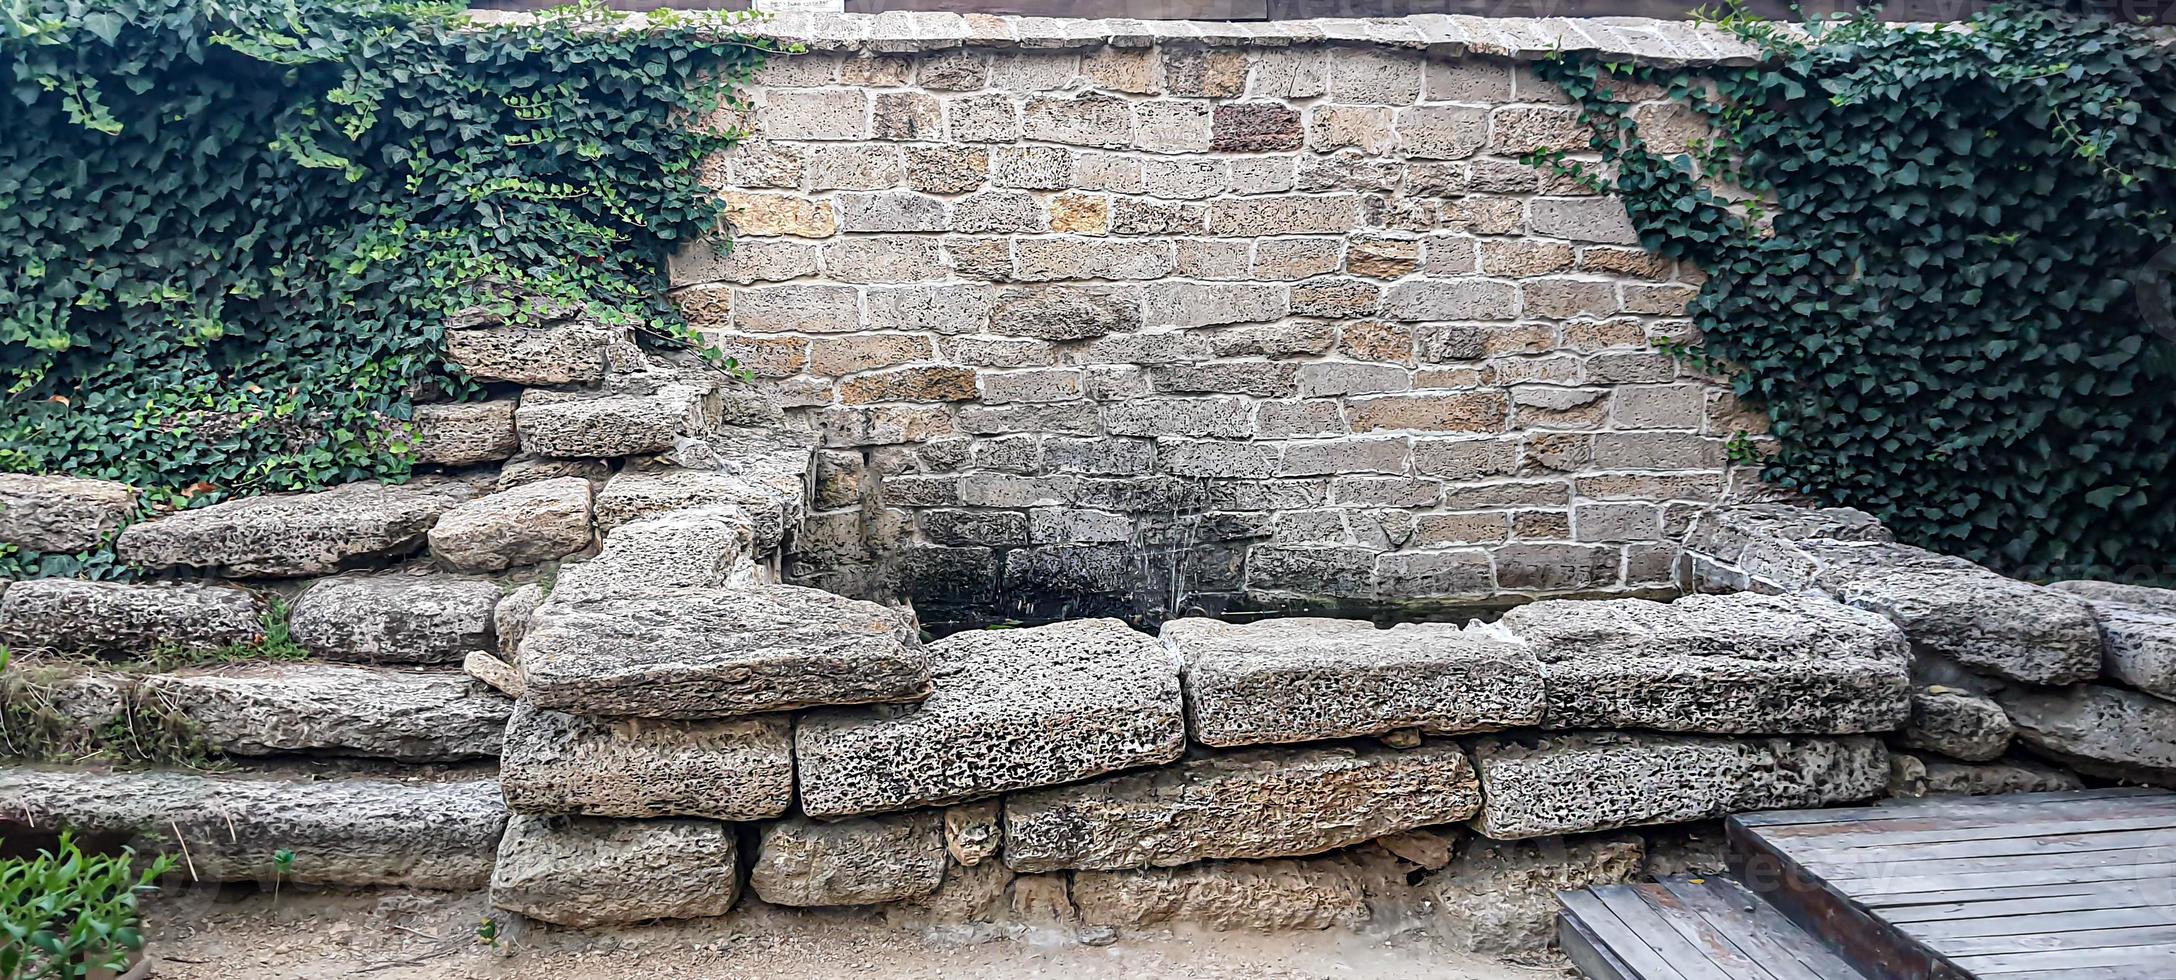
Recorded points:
(1135, 778)
(2081, 675)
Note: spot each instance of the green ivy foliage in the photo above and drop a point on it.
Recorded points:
(230, 231)
(1940, 259)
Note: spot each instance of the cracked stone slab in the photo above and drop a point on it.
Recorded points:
(772, 500)
(1577, 782)
(735, 769)
(587, 871)
(334, 709)
(700, 547)
(1261, 895)
(1720, 664)
(610, 424)
(565, 352)
(1953, 607)
(719, 653)
(1247, 804)
(526, 525)
(397, 618)
(1305, 679)
(1957, 723)
(1011, 710)
(465, 433)
(354, 831)
(2098, 730)
(1913, 776)
(73, 614)
(862, 861)
(291, 535)
(61, 514)
(2138, 626)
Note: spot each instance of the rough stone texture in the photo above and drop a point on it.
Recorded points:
(465, 433)
(1011, 709)
(580, 424)
(716, 653)
(294, 534)
(527, 525)
(1722, 664)
(61, 513)
(737, 769)
(395, 618)
(973, 832)
(1914, 776)
(1154, 279)
(1254, 804)
(345, 831)
(331, 709)
(555, 354)
(1297, 680)
(769, 492)
(71, 614)
(2138, 628)
(1499, 897)
(585, 872)
(2098, 730)
(1577, 782)
(700, 547)
(510, 617)
(1261, 895)
(861, 861)
(1958, 724)
(1946, 606)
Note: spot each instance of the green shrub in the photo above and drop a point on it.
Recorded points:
(1947, 294)
(64, 913)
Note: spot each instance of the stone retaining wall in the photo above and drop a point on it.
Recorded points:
(1123, 316)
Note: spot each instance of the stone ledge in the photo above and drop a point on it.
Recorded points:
(1640, 39)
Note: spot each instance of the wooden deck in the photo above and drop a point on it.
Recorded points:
(2042, 886)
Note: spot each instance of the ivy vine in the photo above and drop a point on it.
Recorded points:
(1941, 259)
(230, 231)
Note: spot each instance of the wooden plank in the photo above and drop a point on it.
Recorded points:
(1593, 957)
(1829, 915)
(2081, 940)
(2034, 963)
(1661, 935)
(1137, 9)
(1884, 902)
(1716, 944)
(2075, 920)
(1874, 887)
(2135, 972)
(2011, 906)
(1999, 862)
(1843, 836)
(1601, 920)
(1950, 806)
(1759, 930)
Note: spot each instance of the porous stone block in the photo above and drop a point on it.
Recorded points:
(700, 547)
(333, 709)
(1723, 664)
(1958, 724)
(1499, 897)
(360, 831)
(510, 618)
(566, 352)
(465, 433)
(1252, 804)
(62, 514)
(1011, 709)
(294, 534)
(2098, 730)
(522, 470)
(735, 769)
(583, 424)
(527, 525)
(583, 871)
(1914, 776)
(1303, 679)
(1578, 782)
(72, 614)
(862, 861)
(2138, 629)
(1222, 895)
(395, 618)
(770, 497)
(718, 653)
(973, 831)
(1950, 606)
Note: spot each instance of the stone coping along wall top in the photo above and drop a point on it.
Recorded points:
(1640, 39)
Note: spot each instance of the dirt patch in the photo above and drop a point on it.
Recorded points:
(242, 934)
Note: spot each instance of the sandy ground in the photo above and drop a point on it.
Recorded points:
(237, 935)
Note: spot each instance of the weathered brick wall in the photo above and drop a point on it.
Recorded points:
(1177, 324)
